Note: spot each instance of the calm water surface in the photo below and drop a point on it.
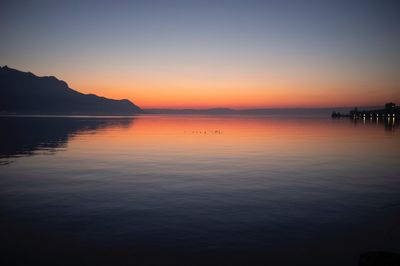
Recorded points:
(185, 190)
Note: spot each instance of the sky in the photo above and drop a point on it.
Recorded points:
(204, 54)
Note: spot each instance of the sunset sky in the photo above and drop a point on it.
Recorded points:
(202, 54)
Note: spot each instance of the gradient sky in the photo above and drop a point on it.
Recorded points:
(202, 54)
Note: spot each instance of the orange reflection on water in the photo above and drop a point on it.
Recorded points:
(238, 136)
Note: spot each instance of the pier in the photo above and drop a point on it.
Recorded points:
(390, 111)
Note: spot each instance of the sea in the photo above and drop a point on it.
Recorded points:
(198, 189)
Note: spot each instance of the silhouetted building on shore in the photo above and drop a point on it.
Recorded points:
(390, 111)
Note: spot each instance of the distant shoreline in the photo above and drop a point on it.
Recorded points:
(343, 111)
(390, 110)
(253, 111)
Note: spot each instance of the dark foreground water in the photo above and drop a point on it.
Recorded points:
(197, 190)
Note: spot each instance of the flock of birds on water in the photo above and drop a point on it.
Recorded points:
(205, 132)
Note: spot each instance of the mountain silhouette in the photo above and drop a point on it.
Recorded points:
(26, 93)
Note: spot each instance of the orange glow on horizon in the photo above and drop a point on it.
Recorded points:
(243, 98)
(239, 91)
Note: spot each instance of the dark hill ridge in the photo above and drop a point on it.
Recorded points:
(26, 93)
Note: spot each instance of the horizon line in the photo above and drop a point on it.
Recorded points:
(260, 108)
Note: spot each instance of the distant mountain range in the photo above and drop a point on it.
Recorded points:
(259, 111)
(26, 93)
